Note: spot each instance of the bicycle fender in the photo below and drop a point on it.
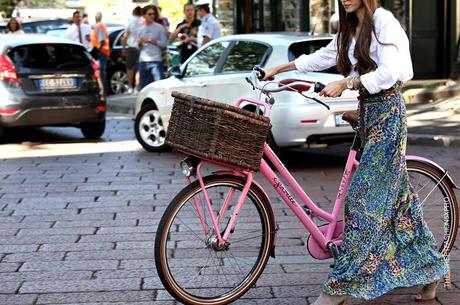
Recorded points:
(274, 227)
(434, 164)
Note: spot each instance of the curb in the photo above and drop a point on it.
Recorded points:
(433, 140)
(423, 95)
(121, 104)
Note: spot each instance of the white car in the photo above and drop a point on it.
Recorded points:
(217, 71)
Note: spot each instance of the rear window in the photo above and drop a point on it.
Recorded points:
(308, 47)
(50, 56)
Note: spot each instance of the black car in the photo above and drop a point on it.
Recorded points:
(49, 81)
(38, 26)
(116, 67)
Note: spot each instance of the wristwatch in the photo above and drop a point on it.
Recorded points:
(350, 84)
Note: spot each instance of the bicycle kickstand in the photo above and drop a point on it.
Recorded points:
(334, 250)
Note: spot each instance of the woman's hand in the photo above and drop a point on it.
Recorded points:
(270, 73)
(334, 89)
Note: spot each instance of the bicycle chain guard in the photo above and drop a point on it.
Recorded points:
(316, 251)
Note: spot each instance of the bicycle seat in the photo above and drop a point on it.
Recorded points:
(351, 117)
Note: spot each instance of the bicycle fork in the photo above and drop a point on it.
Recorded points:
(214, 237)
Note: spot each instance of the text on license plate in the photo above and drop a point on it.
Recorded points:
(339, 121)
(57, 83)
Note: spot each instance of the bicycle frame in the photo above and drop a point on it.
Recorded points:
(323, 239)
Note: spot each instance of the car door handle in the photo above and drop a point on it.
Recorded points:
(202, 85)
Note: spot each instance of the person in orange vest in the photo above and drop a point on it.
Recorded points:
(100, 43)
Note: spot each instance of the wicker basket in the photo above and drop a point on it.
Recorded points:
(217, 131)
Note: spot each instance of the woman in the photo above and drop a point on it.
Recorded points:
(386, 242)
(14, 26)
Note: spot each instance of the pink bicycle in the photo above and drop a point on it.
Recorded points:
(217, 234)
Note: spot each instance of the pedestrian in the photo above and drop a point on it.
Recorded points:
(14, 26)
(79, 31)
(151, 40)
(164, 20)
(386, 243)
(132, 52)
(85, 19)
(187, 32)
(100, 43)
(209, 28)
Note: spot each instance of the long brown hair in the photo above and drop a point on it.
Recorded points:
(347, 29)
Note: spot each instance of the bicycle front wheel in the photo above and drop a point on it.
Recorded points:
(191, 264)
(439, 204)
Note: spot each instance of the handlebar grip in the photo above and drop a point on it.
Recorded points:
(261, 72)
(318, 87)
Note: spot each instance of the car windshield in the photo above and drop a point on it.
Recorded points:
(49, 56)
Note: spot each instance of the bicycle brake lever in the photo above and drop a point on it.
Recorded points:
(249, 81)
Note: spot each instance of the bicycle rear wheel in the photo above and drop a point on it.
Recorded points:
(190, 263)
(439, 204)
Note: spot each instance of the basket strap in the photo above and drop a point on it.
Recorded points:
(193, 101)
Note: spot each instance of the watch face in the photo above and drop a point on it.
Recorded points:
(349, 83)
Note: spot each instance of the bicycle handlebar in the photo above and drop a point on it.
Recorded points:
(258, 74)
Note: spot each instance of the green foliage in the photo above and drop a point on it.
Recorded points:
(45, 3)
(7, 6)
(173, 10)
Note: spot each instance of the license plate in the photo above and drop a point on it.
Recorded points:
(57, 83)
(339, 121)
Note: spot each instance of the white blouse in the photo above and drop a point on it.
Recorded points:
(392, 56)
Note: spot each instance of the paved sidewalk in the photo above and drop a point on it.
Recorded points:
(433, 113)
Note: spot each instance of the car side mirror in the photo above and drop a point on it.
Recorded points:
(176, 72)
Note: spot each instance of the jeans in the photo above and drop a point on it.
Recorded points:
(103, 59)
(148, 70)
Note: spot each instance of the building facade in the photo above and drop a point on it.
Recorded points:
(433, 26)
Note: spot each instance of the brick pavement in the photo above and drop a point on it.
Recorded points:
(79, 229)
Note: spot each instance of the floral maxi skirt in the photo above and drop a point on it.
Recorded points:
(386, 244)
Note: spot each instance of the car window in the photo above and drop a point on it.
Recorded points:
(244, 56)
(54, 56)
(28, 28)
(205, 61)
(307, 47)
(118, 39)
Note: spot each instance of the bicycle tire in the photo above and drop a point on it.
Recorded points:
(428, 179)
(177, 282)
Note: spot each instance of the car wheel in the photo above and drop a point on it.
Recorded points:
(93, 130)
(119, 82)
(149, 129)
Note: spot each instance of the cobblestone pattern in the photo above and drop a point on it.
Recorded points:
(80, 229)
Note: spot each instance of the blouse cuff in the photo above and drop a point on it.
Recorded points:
(301, 63)
(369, 83)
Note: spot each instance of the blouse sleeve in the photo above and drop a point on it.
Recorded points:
(390, 44)
(322, 59)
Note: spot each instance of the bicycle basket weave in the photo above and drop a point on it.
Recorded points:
(217, 131)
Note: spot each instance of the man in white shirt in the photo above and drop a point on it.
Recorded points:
(78, 31)
(209, 28)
